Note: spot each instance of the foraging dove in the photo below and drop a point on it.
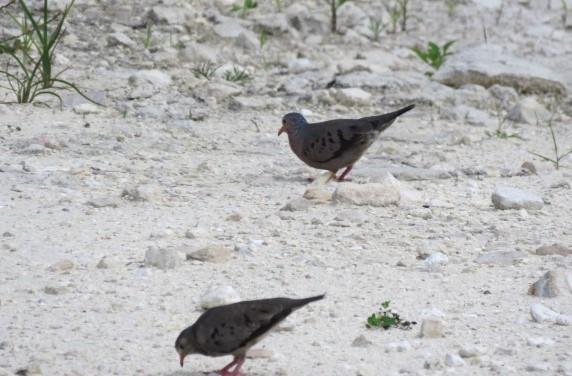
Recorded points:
(234, 328)
(335, 144)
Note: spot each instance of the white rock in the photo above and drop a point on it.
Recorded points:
(217, 295)
(353, 97)
(211, 253)
(431, 328)
(436, 260)
(471, 351)
(453, 360)
(529, 111)
(119, 39)
(514, 198)
(541, 314)
(156, 78)
(301, 65)
(162, 258)
(401, 346)
(539, 341)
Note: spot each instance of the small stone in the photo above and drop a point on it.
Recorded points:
(234, 217)
(317, 194)
(436, 260)
(372, 194)
(119, 39)
(539, 367)
(62, 266)
(470, 351)
(431, 328)
(530, 167)
(106, 263)
(554, 283)
(156, 78)
(539, 342)
(217, 295)
(361, 341)
(145, 192)
(514, 198)
(162, 258)
(55, 290)
(401, 346)
(212, 253)
(453, 360)
(554, 249)
(197, 232)
(104, 202)
(298, 204)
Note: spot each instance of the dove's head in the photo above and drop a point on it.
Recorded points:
(185, 344)
(292, 122)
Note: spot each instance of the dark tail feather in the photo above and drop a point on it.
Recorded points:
(302, 302)
(382, 122)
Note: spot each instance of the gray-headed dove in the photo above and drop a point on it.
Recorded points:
(234, 328)
(334, 144)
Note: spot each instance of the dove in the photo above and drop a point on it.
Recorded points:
(334, 144)
(234, 328)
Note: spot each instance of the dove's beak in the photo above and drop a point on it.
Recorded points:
(182, 359)
(281, 130)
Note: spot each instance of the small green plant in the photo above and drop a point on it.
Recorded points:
(237, 75)
(376, 27)
(246, 6)
(334, 6)
(148, 34)
(386, 318)
(394, 12)
(262, 38)
(434, 56)
(402, 5)
(557, 157)
(451, 7)
(500, 132)
(204, 70)
(30, 59)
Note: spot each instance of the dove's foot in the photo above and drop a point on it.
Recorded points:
(343, 175)
(236, 363)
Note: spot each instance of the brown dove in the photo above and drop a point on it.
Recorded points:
(334, 144)
(234, 328)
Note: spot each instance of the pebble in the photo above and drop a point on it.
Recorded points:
(162, 258)
(145, 192)
(119, 39)
(106, 263)
(538, 367)
(528, 111)
(298, 204)
(514, 198)
(62, 266)
(431, 328)
(436, 260)
(554, 283)
(211, 253)
(217, 295)
(105, 202)
(361, 341)
(471, 351)
(539, 341)
(400, 346)
(55, 290)
(353, 97)
(317, 194)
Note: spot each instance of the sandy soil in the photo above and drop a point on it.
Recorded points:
(225, 182)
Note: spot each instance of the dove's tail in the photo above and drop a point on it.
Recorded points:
(302, 302)
(382, 122)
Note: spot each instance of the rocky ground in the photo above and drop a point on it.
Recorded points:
(119, 223)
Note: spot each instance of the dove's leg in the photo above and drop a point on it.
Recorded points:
(343, 175)
(236, 363)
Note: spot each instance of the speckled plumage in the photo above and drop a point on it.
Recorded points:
(232, 329)
(334, 144)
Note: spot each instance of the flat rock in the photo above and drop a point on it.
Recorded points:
(317, 194)
(212, 253)
(501, 258)
(62, 266)
(255, 102)
(554, 283)
(554, 249)
(353, 97)
(541, 314)
(514, 198)
(299, 204)
(372, 194)
(156, 78)
(104, 202)
(488, 65)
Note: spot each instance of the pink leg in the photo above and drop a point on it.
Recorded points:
(343, 175)
(236, 363)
